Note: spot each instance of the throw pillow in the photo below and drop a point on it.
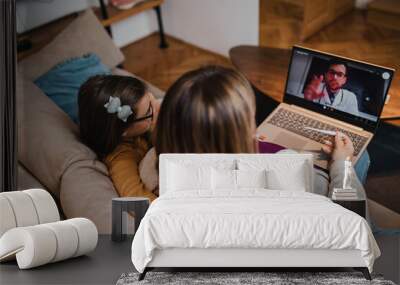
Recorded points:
(183, 177)
(294, 179)
(251, 178)
(61, 84)
(292, 172)
(223, 179)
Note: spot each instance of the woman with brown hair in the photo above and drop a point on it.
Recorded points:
(212, 110)
(208, 110)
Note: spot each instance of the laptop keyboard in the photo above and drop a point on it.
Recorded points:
(296, 122)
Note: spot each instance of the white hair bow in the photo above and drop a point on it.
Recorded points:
(114, 106)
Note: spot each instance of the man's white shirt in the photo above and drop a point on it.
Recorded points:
(345, 101)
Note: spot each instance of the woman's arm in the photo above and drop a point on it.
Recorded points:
(336, 173)
(340, 149)
(123, 167)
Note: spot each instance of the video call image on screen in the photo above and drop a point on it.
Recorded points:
(338, 84)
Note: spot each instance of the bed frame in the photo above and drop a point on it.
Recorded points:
(260, 259)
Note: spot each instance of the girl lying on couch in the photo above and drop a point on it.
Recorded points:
(117, 115)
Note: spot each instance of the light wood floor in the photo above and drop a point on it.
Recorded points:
(162, 67)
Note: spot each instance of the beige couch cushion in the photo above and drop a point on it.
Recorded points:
(50, 149)
(47, 138)
(85, 34)
(26, 180)
(87, 191)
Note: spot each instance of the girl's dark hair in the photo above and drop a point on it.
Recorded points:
(100, 130)
(208, 110)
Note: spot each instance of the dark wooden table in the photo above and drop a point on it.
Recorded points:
(267, 68)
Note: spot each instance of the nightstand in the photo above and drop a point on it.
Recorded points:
(121, 206)
(357, 206)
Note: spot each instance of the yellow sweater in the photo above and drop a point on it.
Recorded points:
(123, 167)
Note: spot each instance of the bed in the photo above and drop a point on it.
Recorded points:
(246, 211)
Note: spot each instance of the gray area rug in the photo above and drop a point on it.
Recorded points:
(232, 278)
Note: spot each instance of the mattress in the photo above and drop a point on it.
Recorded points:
(250, 219)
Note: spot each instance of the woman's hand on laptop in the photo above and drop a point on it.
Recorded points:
(261, 137)
(340, 148)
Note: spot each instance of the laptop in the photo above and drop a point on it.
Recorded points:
(327, 92)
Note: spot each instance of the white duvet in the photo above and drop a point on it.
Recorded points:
(250, 219)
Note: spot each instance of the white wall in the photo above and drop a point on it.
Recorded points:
(31, 14)
(215, 25)
(134, 28)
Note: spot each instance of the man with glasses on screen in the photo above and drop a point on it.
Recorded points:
(328, 89)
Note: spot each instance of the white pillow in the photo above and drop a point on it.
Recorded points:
(283, 172)
(294, 179)
(228, 179)
(251, 178)
(223, 179)
(188, 177)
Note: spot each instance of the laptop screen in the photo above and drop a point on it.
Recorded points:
(348, 90)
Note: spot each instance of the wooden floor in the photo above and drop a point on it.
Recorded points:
(162, 67)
